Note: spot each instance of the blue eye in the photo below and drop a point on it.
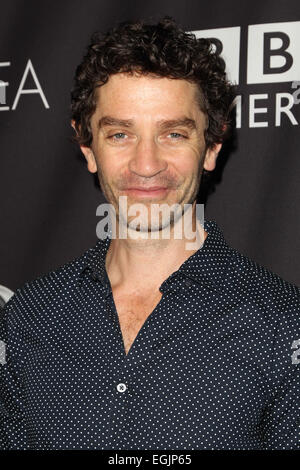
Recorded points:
(117, 135)
(176, 134)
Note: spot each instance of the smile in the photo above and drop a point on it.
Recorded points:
(147, 192)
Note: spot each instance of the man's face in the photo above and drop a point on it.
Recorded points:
(148, 141)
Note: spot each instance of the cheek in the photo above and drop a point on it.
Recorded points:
(107, 160)
(187, 162)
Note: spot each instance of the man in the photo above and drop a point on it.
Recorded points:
(147, 342)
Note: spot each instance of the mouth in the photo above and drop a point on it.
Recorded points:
(154, 191)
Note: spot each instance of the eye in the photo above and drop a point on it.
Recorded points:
(117, 136)
(177, 135)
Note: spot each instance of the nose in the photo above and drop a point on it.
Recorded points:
(146, 159)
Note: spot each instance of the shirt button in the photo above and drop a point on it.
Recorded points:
(121, 387)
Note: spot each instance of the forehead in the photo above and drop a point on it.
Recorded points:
(135, 92)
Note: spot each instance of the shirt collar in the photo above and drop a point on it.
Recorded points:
(207, 265)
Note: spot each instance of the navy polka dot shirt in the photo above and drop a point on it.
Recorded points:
(215, 365)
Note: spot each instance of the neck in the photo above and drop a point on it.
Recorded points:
(139, 263)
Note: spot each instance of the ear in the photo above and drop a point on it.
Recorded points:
(211, 157)
(88, 153)
(90, 158)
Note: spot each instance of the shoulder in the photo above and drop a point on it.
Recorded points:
(261, 283)
(41, 291)
(270, 308)
(265, 298)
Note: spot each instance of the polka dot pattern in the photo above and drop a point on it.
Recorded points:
(215, 365)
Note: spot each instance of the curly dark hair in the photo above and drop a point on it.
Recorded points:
(164, 50)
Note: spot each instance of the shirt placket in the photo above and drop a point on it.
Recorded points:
(123, 384)
(120, 384)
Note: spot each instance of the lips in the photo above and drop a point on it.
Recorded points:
(153, 191)
(152, 188)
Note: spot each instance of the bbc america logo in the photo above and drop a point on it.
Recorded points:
(272, 51)
(271, 57)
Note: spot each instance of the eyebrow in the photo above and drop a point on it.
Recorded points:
(162, 124)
